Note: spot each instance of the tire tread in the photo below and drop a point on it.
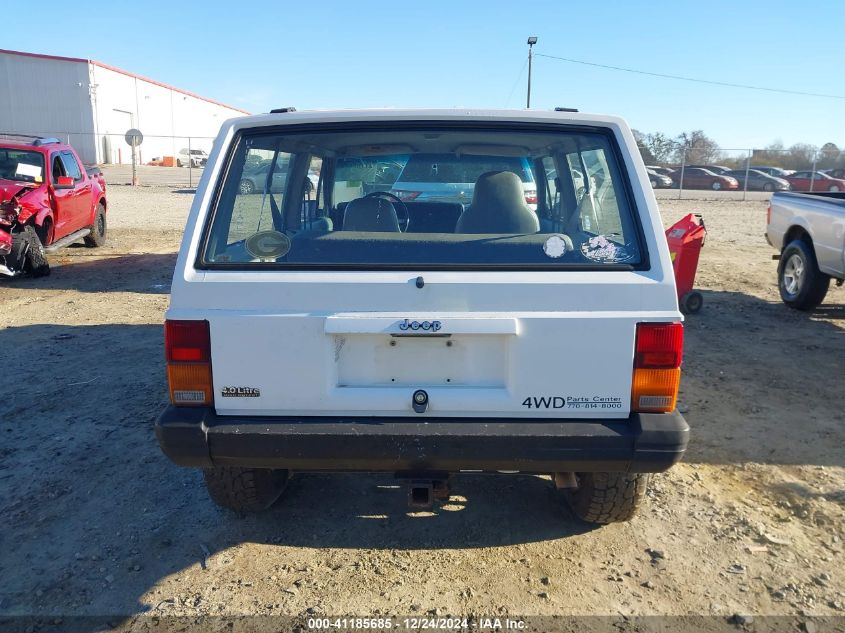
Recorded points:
(608, 497)
(244, 489)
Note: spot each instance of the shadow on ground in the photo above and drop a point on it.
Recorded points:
(95, 271)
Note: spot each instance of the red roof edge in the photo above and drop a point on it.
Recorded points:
(123, 72)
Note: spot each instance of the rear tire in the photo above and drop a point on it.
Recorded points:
(607, 497)
(802, 285)
(97, 236)
(245, 489)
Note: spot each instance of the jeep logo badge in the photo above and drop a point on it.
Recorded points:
(428, 326)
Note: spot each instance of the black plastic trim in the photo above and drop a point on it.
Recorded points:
(641, 443)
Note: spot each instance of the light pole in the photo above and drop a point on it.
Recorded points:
(531, 41)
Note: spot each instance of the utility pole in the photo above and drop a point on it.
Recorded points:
(531, 41)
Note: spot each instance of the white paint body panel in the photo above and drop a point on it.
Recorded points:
(319, 342)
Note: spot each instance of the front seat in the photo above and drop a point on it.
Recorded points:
(370, 214)
(498, 206)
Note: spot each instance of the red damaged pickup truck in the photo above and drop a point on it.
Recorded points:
(47, 200)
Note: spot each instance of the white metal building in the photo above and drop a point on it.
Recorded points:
(92, 105)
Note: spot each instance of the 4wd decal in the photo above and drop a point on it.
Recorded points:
(573, 402)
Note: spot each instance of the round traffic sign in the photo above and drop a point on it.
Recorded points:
(134, 137)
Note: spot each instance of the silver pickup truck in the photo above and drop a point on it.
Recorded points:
(808, 229)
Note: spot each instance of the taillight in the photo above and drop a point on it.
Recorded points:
(530, 196)
(406, 196)
(187, 348)
(769, 214)
(657, 367)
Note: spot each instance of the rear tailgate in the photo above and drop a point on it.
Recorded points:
(570, 357)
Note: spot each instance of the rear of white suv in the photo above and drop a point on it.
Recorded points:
(349, 329)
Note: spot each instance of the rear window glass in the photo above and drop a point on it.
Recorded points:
(449, 168)
(476, 197)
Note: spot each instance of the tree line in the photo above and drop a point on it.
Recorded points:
(696, 148)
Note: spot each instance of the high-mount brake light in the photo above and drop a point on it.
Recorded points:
(657, 367)
(187, 346)
(406, 196)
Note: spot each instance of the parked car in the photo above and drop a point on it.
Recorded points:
(806, 229)
(451, 178)
(814, 181)
(716, 169)
(700, 178)
(777, 172)
(47, 200)
(193, 157)
(835, 173)
(758, 181)
(658, 181)
(254, 177)
(422, 337)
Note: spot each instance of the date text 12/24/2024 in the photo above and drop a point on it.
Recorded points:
(572, 402)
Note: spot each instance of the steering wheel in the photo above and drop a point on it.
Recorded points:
(404, 216)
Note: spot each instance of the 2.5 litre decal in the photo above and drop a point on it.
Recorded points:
(573, 402)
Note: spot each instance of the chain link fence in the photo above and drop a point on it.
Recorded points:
(743, 174)
(171, 161)
(694, 173)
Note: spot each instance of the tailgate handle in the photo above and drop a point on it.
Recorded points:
(422, 325)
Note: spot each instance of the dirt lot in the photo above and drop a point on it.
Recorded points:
(95, 521)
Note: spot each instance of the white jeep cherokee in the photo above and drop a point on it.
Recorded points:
(346, 329)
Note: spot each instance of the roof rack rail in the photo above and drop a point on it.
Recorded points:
(559, 109)
(46, 141)
(282, 110)
(18, 135)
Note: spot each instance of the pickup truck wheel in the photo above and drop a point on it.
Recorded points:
(28, 246)
(97, 236)
(802, 285)
(244, 489)
(607, 497)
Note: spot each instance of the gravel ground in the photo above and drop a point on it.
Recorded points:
(95, 521)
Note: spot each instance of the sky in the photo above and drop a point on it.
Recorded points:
(262, 54)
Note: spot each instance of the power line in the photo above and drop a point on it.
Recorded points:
(518, 77)
(694, 80)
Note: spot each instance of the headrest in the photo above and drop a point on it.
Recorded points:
(370, 214)
(498, 206)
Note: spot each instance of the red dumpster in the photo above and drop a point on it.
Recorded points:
(686, 237)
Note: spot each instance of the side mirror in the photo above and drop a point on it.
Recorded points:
(64, 182)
